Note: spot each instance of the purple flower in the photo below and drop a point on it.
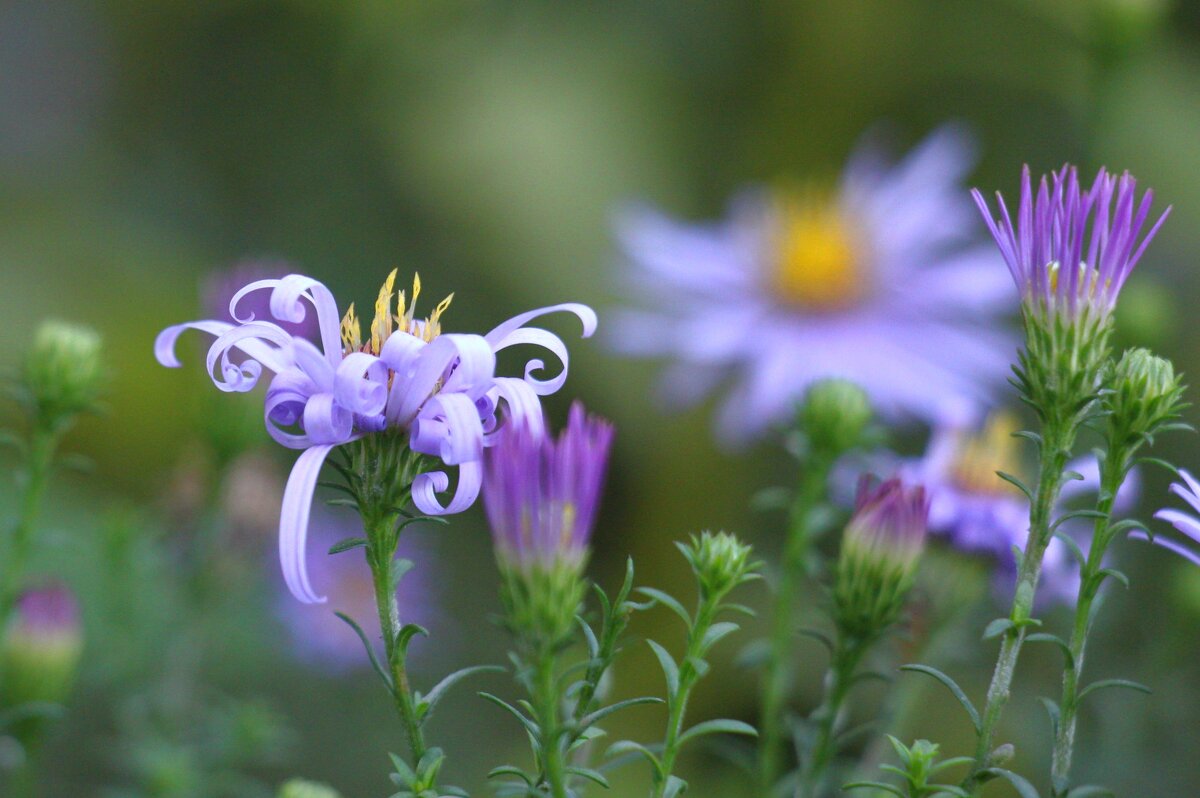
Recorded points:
(440, 390)
(1045, 248)
(1189, 549)
(542, 494)
(977, 512)
(48, 615)
(319, 636)
(875, 283)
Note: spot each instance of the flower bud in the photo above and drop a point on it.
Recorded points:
(40, 651)
(299, 788)
(880, 549)
(721, 562)
(542, 495)
(835, 415)
(63, 372)
(1146, 393)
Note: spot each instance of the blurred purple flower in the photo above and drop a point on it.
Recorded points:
(1189, 549)
(1045, 248)
(320, 637)
(977, 512)
(48, 614)
(441, 390)
(542, 494)
(889, 522)
(878, 284)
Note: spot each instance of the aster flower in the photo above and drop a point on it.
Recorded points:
(220, 287)
(1189, 549)
(318, 636)
(1045, 251)
(978, 513)
(876, 283)
(542, 496)
(439, 390)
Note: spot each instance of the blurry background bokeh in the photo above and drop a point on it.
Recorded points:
(146, 147)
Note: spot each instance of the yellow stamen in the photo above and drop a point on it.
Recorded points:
(381, 327)
(351, 331)
(980, 456)
(817, 260)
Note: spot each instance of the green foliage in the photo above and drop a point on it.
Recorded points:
(918, 764)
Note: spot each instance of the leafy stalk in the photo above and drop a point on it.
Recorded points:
(42, 445)
(780, 664)
(846, 655)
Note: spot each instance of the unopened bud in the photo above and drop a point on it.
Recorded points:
(721, 561)
(40, 651)
(878, 561)
(299, 788)
(835, 415)
(1146, 393)
(63, 372)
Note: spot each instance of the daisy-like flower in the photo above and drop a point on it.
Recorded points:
(978, 513)
(406, 377)
(876, 283)
(1189, 549)
(1045, 249)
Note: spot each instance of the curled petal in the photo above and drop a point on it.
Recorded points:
(472, 373)
(313, 364)
(327, 422)
(430, 368)
(400, 351)
(293, 522)
(426, 487)
(261, 338)
(164, 344)
(585, 314)
(1166, 543)
(285, 408)
(522, 403)
(546, 340)
(361, 384)
(286, 305)
(449, 427)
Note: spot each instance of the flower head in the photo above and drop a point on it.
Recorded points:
(979, 513)
(436, 393)
(64, 371)
(720, 561)
(1189, 548)
(541, 496)
(1072, 248)
(880, 548)
(875, 282)
(40, 649)
(1146, 394)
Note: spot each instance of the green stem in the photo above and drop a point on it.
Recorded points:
(381, 558)
(42, 445)
(828, 716)
(1113, 470)
(1058, 439)
(780, 662)
(677, 703)
(548, 701)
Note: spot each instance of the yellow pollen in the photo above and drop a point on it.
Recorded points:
(1089, 279)
(818, 264)
(385, 323)
(568, 525)
(980, 456)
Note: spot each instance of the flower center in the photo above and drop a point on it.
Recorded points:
(980, 456)
(1089, 279)
(403, 320)
(817, 263)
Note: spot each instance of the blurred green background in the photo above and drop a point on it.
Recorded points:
(144, 146)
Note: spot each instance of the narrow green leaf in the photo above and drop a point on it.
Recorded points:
(1072, 546)
(1076, 514)
(946, 764)
(667, 601)
(1019, 783)
(1016, 482)
(675, 787)
(589, 774)
(510, 770)
(721, 726)
(430, 700)
(530, 726)
(1160, 463)
(875, 785)
(819, 636)
(1115, 574)
(954, 689)
(716, 632)
(1090, 791)
(669, 668)
(595, 717)
(630, 747)
(1106, 683)
(346, 545)
(1045, 637)
(1128, 525)
(1052, 710)
(997, 627)
(375, 663)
